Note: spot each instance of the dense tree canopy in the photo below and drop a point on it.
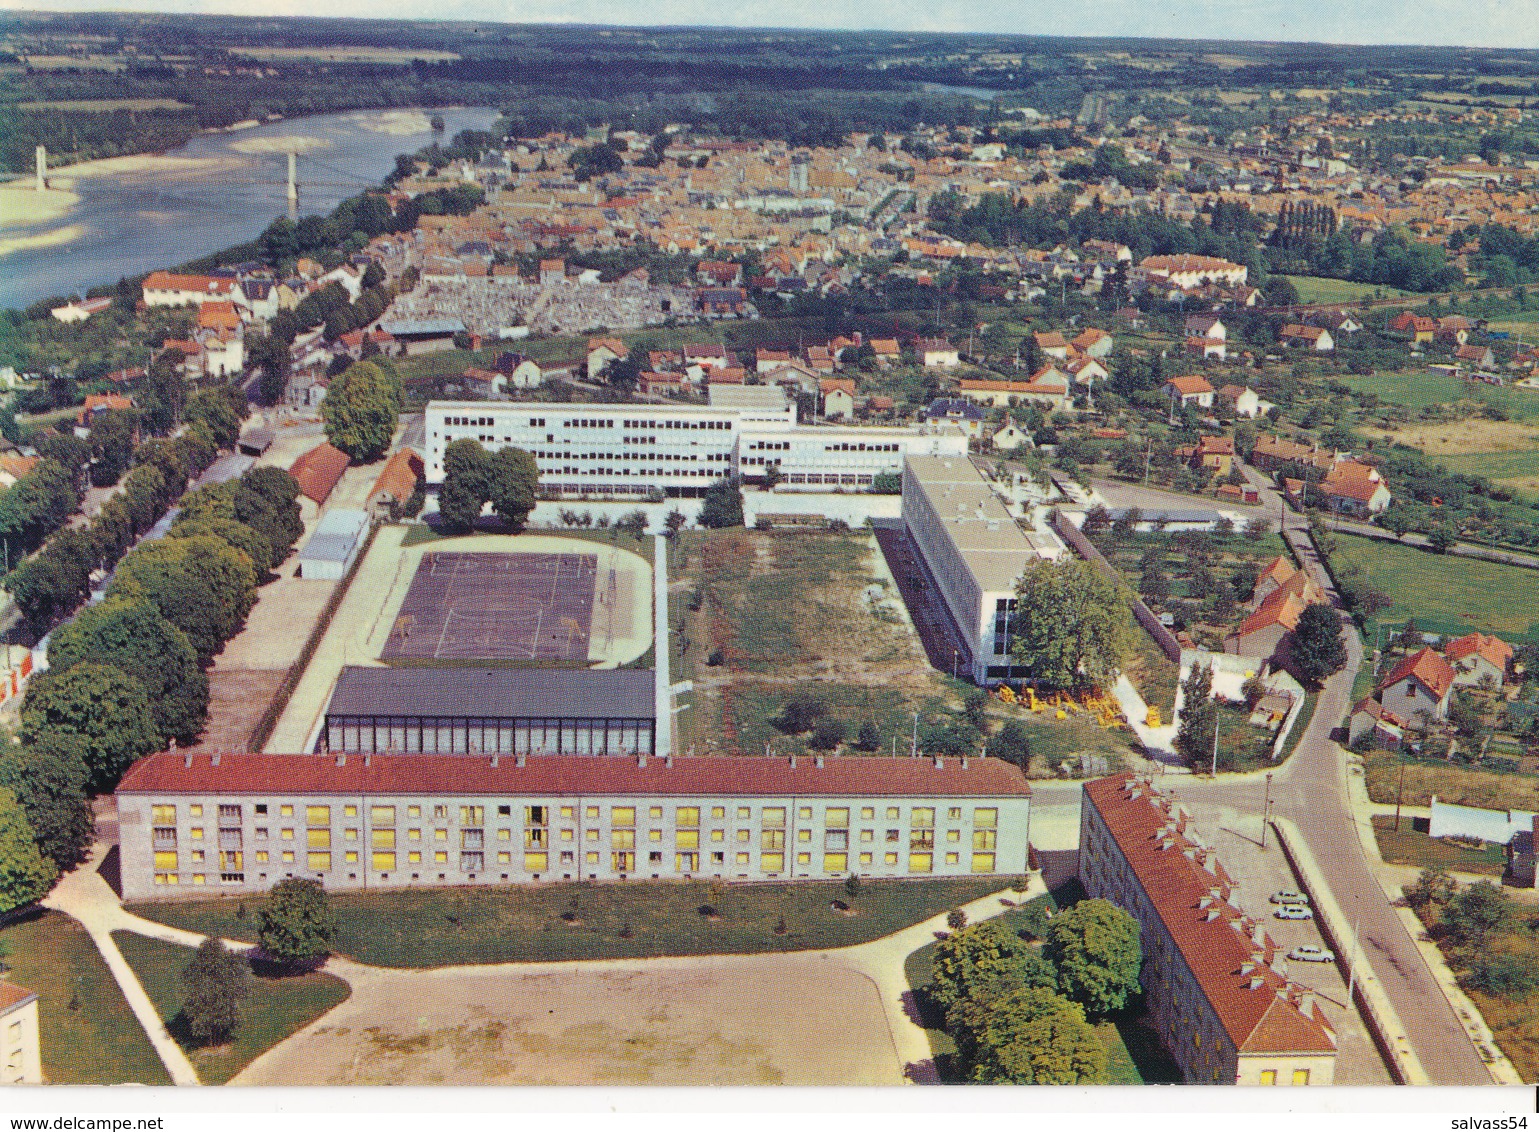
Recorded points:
(296, 924)
(49, 779)
(983, 961)
(1073, 624)
(723, 506)
(1316, 646)
(1095, 947)
(25, 875)
(101, 707)
(217, 981)
(361, 408)
(1031, 1036)
(202, 585)
(132, 636)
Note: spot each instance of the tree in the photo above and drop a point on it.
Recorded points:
(1012, 743)
(296, 924)
(984, 961)
(1094, 945)
(1199, 714)
(360, 409)
(102, 707)
(1476, 912)
(1028, 1037)
(49, 780)
(1072, 625)
(133, 637)
(217, 981)
(25, 875)
(723, 504)
(801, 711)
(221, 408)
(202, 585)
(1440, 539)
(513, 487)
(1433, 886)
(1317, 647)
(869, 737)
(466, 487)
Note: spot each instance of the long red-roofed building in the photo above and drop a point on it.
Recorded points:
(241, 822)
(1215, 982)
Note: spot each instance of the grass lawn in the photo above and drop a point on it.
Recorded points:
(439, 927)
(1495, 465)
(1241, 747)
(1133, 1053)
(1318, 289)
(1446, 595)
(1457, 785)
(88, 1034)
(276, 1007)
(1410, 845)
(1418, 388)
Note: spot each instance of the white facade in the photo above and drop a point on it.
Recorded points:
(21, 1060)
(677, 451)
(975, 553)
(241, 824)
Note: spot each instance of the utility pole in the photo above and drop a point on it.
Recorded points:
(1400, 788)
(293, 186)
(1215, 740)
(913, 749)
(1352, 963)
(1266, 809)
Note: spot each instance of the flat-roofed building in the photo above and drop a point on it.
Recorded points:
(1215, 983)
(239, 823)
(506, 711)
(21, 1058)
(679, 451)
(975, 553)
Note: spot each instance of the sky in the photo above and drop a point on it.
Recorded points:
(1478, 23)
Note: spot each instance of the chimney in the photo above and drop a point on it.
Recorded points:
(1307, 1004)
(793, 762)
(964, 762)
(187, 760)
(820, 762)
(494, 762)
(668, 761)
(938, 763)
(368, 759)
(342, 760)
(215, 760)
(521, 760)
(641, 759)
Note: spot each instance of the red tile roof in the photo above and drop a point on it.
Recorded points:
(1280, 608)
(318, 471)
(1190, 384)
(238, 773)
(1227, 952)
(12, 996)
(399, 477)
(1493, 649)
(1430, 669)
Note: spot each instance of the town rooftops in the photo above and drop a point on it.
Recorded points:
(1427, 668)
(1229, 954)
(176, 772)
(501, 693)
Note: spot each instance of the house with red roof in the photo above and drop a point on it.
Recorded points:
(1476, 656)
(1421, 682)
(1299, 336)
(1371, 718)
(1354, 488)
(1216, 985)
(1191, 389)
(317, 472)
(397, 481)
(838, 395)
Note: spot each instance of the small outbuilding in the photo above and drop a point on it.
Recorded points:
(333, 544)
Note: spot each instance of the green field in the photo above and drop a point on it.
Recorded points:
(1495, 465)
(507, 924)
(1416, 389)
(276, 1007)
(105, 105)
(1318, 289)
(1446, 595)
(88, 1034)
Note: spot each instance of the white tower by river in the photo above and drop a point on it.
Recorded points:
(293, 187)
(42, 168)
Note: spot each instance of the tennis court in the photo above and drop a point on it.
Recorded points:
(468, 606)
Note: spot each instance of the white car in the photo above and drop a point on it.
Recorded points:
(1309, 953)
(1287, 897)
(1293, 912)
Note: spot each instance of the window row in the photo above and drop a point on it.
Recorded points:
(415, 735)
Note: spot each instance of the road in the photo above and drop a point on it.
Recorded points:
(1311, 790)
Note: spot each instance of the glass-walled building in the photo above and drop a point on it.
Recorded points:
(492, 711)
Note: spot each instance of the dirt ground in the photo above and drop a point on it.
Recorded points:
(236, 700)
(278, 625)
(1456, 437)
(746, 1020)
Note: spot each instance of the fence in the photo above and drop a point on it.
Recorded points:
(1146, 617)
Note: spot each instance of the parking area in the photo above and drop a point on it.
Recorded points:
(1260, 872)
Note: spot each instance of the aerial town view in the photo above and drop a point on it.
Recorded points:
(571, 554)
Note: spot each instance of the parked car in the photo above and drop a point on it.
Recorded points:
(1309, 953)
(1293, 912)
(1287, 897)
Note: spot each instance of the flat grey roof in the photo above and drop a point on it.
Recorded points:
(496, 693)
(986, 536)
(335, 536)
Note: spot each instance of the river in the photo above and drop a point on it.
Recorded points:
(218, 190)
